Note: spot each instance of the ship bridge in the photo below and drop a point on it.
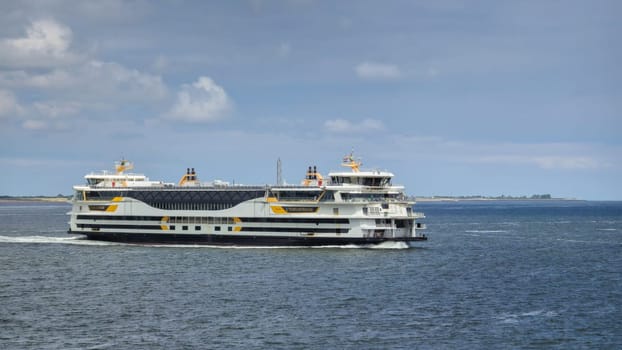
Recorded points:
(363, 178)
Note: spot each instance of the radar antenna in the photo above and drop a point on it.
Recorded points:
(350, 162)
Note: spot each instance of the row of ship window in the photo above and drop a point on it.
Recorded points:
(197, 228)
(200, 220)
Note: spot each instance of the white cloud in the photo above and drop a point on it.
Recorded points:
(31, 124)
(58, 78)
(370, 70)
(93, 79)
(563, 162)
(38, 115)
(203, 101)
(546, 156)
(8, 103)
(572, 162)
(346, 126)
(42, 64)
(57, 109)
(46, 44)
(116, 80)
(50, 115)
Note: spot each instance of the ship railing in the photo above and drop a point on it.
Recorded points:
(374, 200)
(378, 227)
(359, 200)
(167, 186)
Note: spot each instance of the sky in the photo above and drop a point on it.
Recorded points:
(454, 97)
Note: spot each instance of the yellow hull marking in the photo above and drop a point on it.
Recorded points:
(271, 199)
(163, 224)
(117, 199)
(112, 208)
(237, 229)
(277, 209)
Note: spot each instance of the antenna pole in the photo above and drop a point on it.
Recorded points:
(279, 173)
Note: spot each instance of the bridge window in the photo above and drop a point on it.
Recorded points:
(298, 195)
(328, 196)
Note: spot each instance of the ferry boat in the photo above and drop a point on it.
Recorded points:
(348, 207)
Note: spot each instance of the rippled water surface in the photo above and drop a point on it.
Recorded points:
(493, 275)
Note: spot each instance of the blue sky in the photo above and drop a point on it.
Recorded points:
(454, 97)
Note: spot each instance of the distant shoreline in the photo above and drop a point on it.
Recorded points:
(11, 199)
(465, 199)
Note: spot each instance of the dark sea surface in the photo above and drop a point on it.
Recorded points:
(535, 274)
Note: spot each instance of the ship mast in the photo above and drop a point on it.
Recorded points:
(350, 162)
(279, 173)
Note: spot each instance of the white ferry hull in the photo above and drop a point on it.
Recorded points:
(255, 222)
(130, 208)
(231, 240)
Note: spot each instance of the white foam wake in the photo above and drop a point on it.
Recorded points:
(588, 241)
(390, 245)
(81, 240)
(516, 318)
(78, 240)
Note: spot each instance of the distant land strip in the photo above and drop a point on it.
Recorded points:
(59, 198)
(537, 197)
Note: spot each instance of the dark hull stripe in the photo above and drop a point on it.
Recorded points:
(120, 217)
(299, 220)
(247, 229)
(234, 240)
(243, 219)
(295, 229)
(136, 227)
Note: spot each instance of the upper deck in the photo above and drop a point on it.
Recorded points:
(354, 182)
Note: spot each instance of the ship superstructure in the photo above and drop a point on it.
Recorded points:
(349, 207)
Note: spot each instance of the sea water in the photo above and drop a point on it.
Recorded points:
(533, 274)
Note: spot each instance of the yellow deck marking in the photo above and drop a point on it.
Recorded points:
(277, 209)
